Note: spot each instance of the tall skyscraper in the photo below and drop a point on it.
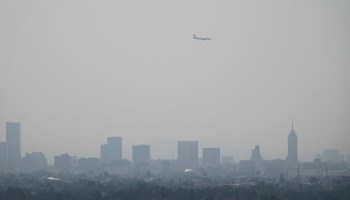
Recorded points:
(140, 154)
(13, 140)
(292, 158)
(187, 155)
(211, 156)
(112, 151)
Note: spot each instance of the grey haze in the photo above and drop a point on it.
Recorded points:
(76, 72)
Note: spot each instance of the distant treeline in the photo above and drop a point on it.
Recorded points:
(26, 187)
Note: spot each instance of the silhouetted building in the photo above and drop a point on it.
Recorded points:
(274, 167)
(3, 155)
(103, 155)
(13, 140)
(187, 155)
(211, 156)
(247, 167)
(112, 151)
(166, 167)
(332, 155)
(34, 161)
(256, 154)
(90, 165)
(140, 154)
(121, 167)
(63, 162)
(292, 158)
(315, 168)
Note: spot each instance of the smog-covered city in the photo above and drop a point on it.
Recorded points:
(177, 100)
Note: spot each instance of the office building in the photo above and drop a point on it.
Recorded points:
(187, 155)
(90, 165)
(247, 167)
(211, 156)
(332, 155)
(34, 161)
(112, 151)
(63, 162)
(140, 154)
(13, 140)
(166, 167)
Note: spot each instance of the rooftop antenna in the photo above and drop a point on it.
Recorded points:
(292, 125)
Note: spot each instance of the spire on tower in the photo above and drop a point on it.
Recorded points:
(292, 125)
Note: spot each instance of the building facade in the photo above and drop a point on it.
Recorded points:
(63, 162)
(141, 154)
(103, 150)
(211, 156)
(187, 155)
(34, 161)
(13, 140)
(113, 150)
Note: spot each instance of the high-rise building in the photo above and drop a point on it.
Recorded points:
(140, 154)
(3, 156)
(112, 151)
(256, 154)
(211, 156)
(13, 140)
(187, 155)
(292, 158)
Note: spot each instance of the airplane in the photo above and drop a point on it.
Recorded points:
(200, 38)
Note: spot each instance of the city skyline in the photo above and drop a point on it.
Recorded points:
(200, 99)
(113, 150)
(75, 73)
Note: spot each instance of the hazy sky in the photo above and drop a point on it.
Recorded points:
(75, 72)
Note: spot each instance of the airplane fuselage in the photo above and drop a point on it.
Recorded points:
(200, 38)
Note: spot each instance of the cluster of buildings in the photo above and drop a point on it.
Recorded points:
(10, 152)
(188, 161)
